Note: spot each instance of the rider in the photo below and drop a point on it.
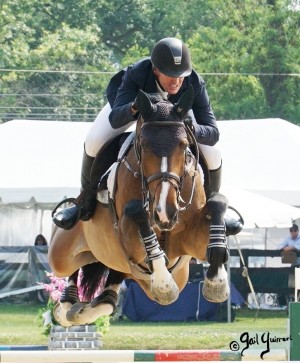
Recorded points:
(168, 70)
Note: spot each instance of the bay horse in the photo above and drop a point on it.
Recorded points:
(156, 219)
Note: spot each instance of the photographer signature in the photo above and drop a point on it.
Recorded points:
(246, 341)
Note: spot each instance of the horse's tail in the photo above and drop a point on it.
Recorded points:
(93, 278)
(114, 277)
(96, 276)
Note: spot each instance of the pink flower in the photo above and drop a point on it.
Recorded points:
(55, 295)
(55, 287)
(61, 284)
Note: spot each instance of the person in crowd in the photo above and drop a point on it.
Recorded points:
(292, 242)
(169, 71)
(40, 240)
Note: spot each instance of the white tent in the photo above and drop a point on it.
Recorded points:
(260, 212)
(262, 156)
(40, 160)
(40, 164)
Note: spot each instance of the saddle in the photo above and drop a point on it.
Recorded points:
(106, 186)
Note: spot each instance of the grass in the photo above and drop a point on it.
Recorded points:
(19, 325)
(196, 335)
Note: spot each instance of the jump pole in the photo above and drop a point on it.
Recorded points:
(23, 347)
(89, 356)
(95, 356)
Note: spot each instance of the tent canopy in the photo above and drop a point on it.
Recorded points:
(260, 212)
(40, 160)
(262, 156)
(40, 164)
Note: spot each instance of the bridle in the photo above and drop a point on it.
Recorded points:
(176, 181)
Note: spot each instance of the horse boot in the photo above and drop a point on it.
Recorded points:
(233, 226)
(84, 206)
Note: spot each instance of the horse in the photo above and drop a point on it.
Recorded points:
(155, 219)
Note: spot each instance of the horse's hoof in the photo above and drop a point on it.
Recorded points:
(82, 313)
(215, 291)
(164, 297)
(59, 314)
(73, 314)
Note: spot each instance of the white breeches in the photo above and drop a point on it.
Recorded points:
(101, 132)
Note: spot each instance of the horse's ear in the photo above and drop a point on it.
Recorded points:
(185, 103)
(143, 103)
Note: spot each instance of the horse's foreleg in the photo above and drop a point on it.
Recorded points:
(215, 287)
(163, 287)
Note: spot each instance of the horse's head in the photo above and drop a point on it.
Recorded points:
(162, 147)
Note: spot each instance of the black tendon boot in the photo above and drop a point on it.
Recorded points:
(84, 206)
(233, 226)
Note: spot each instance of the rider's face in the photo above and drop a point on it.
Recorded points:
(169, 84)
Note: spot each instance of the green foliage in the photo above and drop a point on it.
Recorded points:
(40, 319)
(103, 324)
(249, 37)
(256, 41)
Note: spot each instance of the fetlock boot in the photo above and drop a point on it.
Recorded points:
(84, 206)
(233, 226)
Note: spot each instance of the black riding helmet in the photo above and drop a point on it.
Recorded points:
(172, 58)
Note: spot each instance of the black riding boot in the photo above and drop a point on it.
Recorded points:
(233, 226)
(85, 203)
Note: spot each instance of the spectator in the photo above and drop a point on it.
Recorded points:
(40, 240)
(291, 243)
(289, 246)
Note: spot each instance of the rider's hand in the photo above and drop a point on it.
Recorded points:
(188, 121)
(133, 108)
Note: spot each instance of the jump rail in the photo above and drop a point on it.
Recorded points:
(68, 356)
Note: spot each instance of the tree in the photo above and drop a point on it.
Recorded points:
(250, 37)
(82, 43)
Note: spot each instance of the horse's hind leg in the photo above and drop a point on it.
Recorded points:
(102, 305)
(215, 287)
(68, 298)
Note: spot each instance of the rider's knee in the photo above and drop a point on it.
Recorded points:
(212, 155)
